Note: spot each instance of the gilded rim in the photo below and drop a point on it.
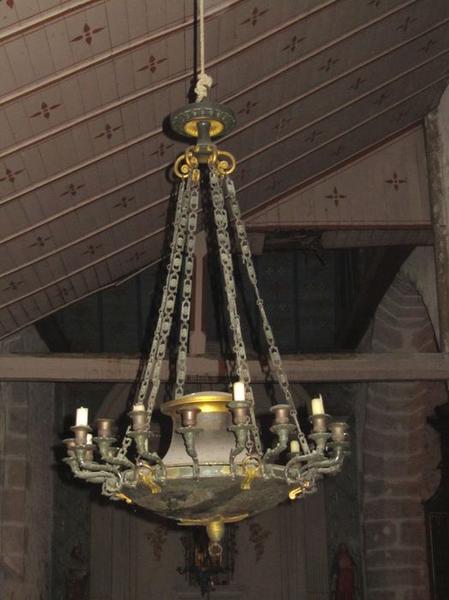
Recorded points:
(208, 402)
(191, 127)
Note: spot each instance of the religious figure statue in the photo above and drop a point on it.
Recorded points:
(344, 575)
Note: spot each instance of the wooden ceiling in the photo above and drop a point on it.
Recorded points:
(85, 87)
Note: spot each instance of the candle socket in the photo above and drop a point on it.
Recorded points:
(70, 445)
(281, 414)
(104, 428)
(338, 431)
(240, 411)
(320, 423)
(139, 419)
(80, 432)
(189, 415)
(89, 453)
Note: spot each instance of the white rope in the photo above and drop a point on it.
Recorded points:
(204, 82)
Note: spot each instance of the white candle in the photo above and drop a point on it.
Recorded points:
(139, 407)
(238, 390)
(82, 416)
(294, 447)
(318, 406)
(89, 439)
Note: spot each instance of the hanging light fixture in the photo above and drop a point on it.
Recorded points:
(215, 470)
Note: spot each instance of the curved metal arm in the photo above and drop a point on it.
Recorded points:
(240, 432)
(282, 431)
(189, 434)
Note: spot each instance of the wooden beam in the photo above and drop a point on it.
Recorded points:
(300, 369)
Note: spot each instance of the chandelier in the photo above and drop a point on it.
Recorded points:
(215, 470)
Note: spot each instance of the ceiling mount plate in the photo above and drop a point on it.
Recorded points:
(185, 120)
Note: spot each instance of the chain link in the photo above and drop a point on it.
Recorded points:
(273, 351)
(224, 248)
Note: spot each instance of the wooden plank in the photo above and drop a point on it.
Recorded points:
(304, 368)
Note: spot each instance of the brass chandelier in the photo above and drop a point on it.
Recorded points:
(215, 470)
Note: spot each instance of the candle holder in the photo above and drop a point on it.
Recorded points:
(240, 411)
(339, 431)
(139, 419)
(104, 428)
(189, 415)
(320, 423)
(282, 413)
(80, 432)
(70, 445)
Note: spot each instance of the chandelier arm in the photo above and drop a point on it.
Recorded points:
(273, 351)
(173, 288)
(224, 247)
(186, 294)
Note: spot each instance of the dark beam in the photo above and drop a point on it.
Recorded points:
(300, 369)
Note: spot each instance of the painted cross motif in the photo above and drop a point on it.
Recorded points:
(123, 202)
(13, 286)
(294, 43)
(255, 16)
(274, 184)
(72, 189)
(248, 107)
(313, 136)
(91, 249)
(152, 64)
(283, 122)
(396, 181)
(355, 86)
(40, 241)
(338, 151)
(406, 24)
(401, 115)
(428, 46)
(381, 99)
(88, 34)
(328, 64)
(45, 110)
(10, 175)
(161, 150)
(336, 196)
(108, 131)
(9, 3)
(136, 256)
(68, 289)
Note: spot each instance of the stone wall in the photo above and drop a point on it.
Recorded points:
(26, 482)
(400, 454)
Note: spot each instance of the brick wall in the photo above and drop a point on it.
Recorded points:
(400, 454)
(26, 487)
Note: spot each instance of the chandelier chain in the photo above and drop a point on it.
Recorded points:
(155, 345)
(186, 297)
(224, 248)
(173, 286)
(273, 351)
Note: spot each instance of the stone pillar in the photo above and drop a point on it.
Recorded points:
(26, 487)
(401, 454)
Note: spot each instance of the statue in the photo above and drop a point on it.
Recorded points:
(344, 575)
